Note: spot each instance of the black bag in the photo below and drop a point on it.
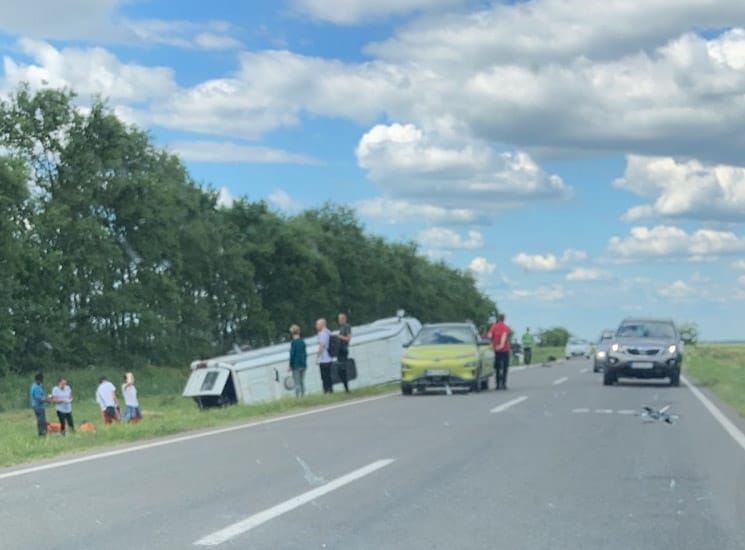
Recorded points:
(347, 365)
(334, 345)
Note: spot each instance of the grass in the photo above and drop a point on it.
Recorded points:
(164, 410)
(540, 354)
(720, 368)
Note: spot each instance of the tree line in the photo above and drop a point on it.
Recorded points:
(111, 254)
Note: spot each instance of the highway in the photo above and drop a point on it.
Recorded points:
(556, 462)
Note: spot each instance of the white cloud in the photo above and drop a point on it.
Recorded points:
(224, 198)
(665, 241)
(347, 12)
(442, 238)
(481, 266)
(587, 274)
(226, 151)
(741, 280)
(281, 199)
(552, 293)
(88, 71)
(684, 189)
(400, 211)
(678, 290)
(213, 41)
(740, 264)
(408, 163)
(548, 262)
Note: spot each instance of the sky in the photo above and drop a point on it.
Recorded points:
(583, 160)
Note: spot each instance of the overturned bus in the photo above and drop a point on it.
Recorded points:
(260, 375)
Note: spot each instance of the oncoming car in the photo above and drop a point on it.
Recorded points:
(601, 349)
(644, 348)
(577, 347)
(447, 354)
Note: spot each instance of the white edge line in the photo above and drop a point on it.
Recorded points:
(560, 380)
(245, 525)
(716, 412)
(603, 411)
(190, 437)
(504, 406)
(584, 371)
(521, 367)
(580, 411)
(627, 412)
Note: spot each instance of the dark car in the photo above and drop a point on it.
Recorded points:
(601, 349)
(644, 348)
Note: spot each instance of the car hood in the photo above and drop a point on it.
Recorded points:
(645, 342)
(442, 352)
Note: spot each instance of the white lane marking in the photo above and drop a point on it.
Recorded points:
(584, 371)
(504, 406)
(603, 411)
(523, 367)
(720, 417)
(627, 412)
(243, 526)
(560, 380)
(580, 411)
(190, 437)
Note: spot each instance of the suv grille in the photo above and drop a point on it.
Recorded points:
(637, 351)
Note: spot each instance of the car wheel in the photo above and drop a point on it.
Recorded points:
(675, 378)
(406, 389)
(608, 379)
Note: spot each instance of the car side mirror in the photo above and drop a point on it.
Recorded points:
(407, 344)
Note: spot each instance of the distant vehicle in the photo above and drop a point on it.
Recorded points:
(576, 347)
(601, 349)
(447, 355)
(644, 348)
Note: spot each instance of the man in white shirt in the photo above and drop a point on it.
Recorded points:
(62, 398)
(322, 355)
(106, 398)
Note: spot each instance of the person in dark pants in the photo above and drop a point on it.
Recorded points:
(322, 355)
(528, 342)
(38, 403)
(345, 336)
(62, 397)
(298, 361)
(499, 335)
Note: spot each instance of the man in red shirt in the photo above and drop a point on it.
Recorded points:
(499, 335)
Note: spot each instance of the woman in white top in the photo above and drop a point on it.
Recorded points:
(62, 397)
(131, 405)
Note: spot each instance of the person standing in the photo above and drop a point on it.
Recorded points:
(298, 360)
(499, 335)
(106, 398)
(38, 404)
(345, 337)
(62, 398)
(322, 355)
(131, 404)
(527, 341)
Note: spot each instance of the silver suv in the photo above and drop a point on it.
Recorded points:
(644, 348)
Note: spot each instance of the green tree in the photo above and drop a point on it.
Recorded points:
(553, 337)
(689, 333)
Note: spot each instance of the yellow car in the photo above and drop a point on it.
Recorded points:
(447, 355)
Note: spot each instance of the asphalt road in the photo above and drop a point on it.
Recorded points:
(556, 462)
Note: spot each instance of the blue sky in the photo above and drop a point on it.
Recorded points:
(584, 162)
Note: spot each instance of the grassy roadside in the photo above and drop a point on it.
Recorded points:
(720, 368)
(164, 414)
(540, 354)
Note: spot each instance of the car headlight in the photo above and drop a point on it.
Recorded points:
(405, 366)
(471, 365)
(615, 347)
(672, 349)
(600, 355)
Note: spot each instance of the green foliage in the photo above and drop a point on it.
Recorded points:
(720, 368)
(553, 337)
(111, 256)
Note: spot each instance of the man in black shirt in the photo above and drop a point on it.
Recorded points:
(345, 336)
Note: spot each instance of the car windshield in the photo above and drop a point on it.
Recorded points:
(430, 336)
(647, 329)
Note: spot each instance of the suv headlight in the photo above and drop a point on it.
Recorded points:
(471, 365)
(672, 349)
(600, 355)
(615, 347)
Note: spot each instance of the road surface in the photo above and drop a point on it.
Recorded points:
(556, 462)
